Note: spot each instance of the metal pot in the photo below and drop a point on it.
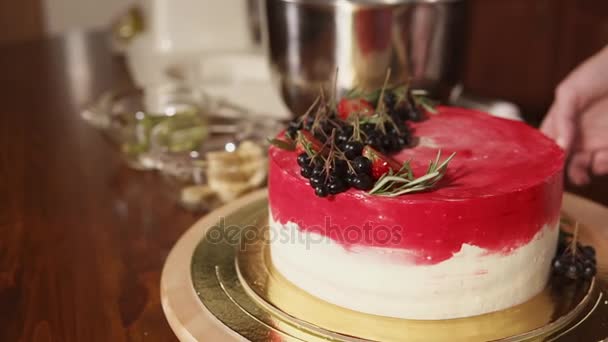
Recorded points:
(421, 41)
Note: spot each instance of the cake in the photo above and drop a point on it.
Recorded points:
(480, 240)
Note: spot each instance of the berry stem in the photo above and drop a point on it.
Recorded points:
(322, 95)
(330, 160)
(574, 241)
(334, 101)
(310, 109)
(356, 136)
(380, 104)
(316, 124)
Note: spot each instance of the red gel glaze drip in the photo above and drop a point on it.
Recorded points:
(504, 184)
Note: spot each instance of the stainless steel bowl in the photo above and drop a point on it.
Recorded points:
(308, 40)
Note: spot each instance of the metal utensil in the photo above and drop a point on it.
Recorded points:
(308, 40)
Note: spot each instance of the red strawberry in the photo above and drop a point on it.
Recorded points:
(306, 137)
(381, 163)
(346, 107)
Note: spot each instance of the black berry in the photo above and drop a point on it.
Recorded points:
(375, 142)
(403, 140)
(344, 136)
(304, 160)
(401, 114)
(292, 132)
(340, 168)
(572, 271)
(368, 128)
(390, 100)
(397, 143)
(558, 266)
(336, 186)
(327, 127)
(317, 180)
(363, 165)
(589, 272)
(575, 262)
(362, 182)
(589, 262)
(306, 172)
(588, 251)
(321, 191)
(353, 149)
(386, 143)
(318, 171)
(398, 128)
(415, 114)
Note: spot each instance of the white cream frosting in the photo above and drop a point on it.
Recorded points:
(382, 281)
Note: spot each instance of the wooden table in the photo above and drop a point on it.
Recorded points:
(82, 238)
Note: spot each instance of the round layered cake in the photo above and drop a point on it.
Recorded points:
(481, 240)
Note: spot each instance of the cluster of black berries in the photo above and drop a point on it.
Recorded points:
(297, 124)
(404, 110)
(387, 133)
(575, 262)
(334, 177)
(397, 136)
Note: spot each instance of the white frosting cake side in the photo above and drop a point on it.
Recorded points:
(382, 281)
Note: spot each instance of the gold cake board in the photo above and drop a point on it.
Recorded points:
(204, 291)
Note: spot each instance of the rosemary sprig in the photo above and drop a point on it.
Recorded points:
(357, 93)
(426, 103)
(287, 145)
(403, 93)
(308, 146)
(403, 181)
(419, 98)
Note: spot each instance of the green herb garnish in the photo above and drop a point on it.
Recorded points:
(287, 145)
(403, 181)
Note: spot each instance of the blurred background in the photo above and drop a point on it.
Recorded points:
(30, 19)
(126, 66)
(517, 50)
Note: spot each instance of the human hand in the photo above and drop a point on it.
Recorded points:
(578, 118)
(590, 147)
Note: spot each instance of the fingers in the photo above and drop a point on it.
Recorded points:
(578, 169)
(548, 126)
(593, 127)
(599, 164)
(583, 162)
(564, 114)
(581, 88)
(589, 80)
(561, 122)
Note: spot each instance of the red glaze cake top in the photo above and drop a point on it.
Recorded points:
(504, 184)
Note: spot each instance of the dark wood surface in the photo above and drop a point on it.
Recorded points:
(82, 238)
(519, 50)
(21, 20)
